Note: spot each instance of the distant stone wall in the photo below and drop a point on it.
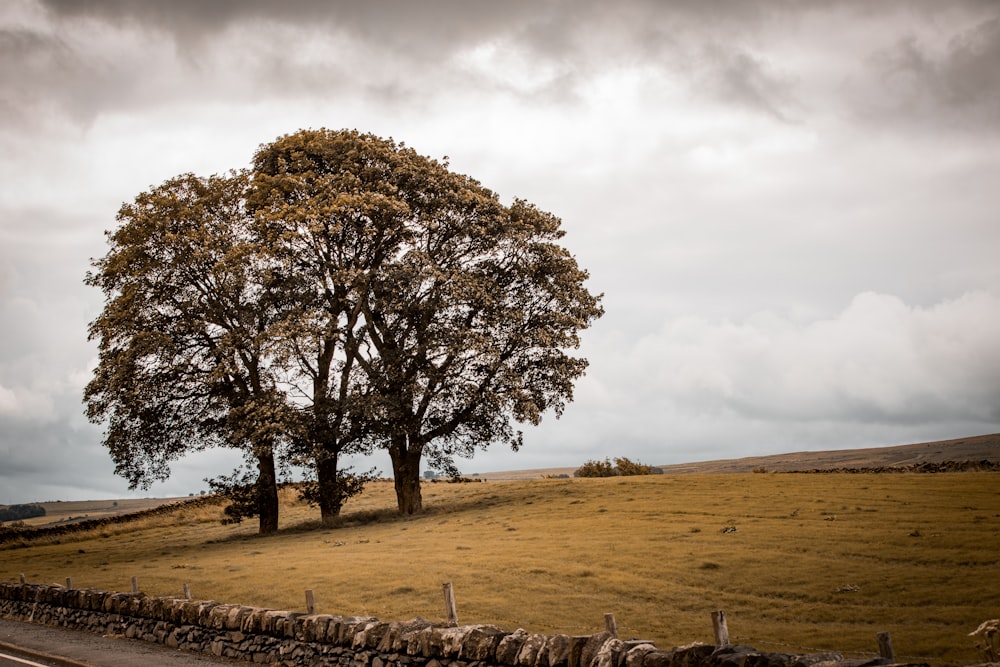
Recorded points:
(266, 636)
(984, 465)
(9, 533)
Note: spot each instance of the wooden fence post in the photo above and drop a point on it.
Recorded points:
(610, 625)
(885, 646)
(449, 603)
(69, 582)
(310, 601)
(187, 590)
(721, 628)
(135, 584)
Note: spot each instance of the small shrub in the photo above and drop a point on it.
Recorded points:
(622, 467)
(596, 469)
(18, 512)
(627, 467)
(240, 489)
(346, 485)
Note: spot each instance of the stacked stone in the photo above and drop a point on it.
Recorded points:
(984, 465)
(267, 636)
(10, 533)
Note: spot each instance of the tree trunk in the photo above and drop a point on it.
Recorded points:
(267, 493)
(406, 474)
(331, 498)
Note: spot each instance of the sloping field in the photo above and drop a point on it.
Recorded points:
(71, 511)
(977, 448)
(799, 562)
(974, 448)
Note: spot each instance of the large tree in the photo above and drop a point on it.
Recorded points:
(470, 333)
(327, 210)
(185, 337)
(350, 294)
(457, 310)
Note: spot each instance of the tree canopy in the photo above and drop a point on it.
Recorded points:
(457, 310)
(346, 294)
(185, 335)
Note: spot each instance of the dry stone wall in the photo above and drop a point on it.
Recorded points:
(984, 465)
(11, 533)
(266, 636)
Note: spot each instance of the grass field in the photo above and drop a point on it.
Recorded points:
(69, 511)
(816, 562)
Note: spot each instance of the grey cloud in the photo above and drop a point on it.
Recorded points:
(723, 239)
(59, 453)
(49, 75)
(879, 361)
(184, 18)
(109, 55)
(31, 62)
(957, 85)
(752, 81)
(397, 52)
(435, 26)
(971, 70)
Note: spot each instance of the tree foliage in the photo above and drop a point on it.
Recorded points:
(346, 295)
(621, 467)
(596, 468)
(326, 213)
(185, 335)
(21, 512)
(455, 310)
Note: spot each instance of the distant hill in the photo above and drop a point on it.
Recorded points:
(75, 511)
(975, 448)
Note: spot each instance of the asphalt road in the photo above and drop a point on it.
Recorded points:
(33, 644)
(7, 660)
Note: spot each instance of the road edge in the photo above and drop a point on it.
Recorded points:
(38, 655)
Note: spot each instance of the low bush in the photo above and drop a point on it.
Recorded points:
(19, 512)
(622, 467)
(596, 469)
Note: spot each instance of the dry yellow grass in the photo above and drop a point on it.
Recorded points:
(816, 562)
(70, 510)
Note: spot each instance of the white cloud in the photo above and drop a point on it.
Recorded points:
(26, 404)
(878, 360)
(791, 208)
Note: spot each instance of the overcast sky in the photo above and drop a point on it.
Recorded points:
(791, 208)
